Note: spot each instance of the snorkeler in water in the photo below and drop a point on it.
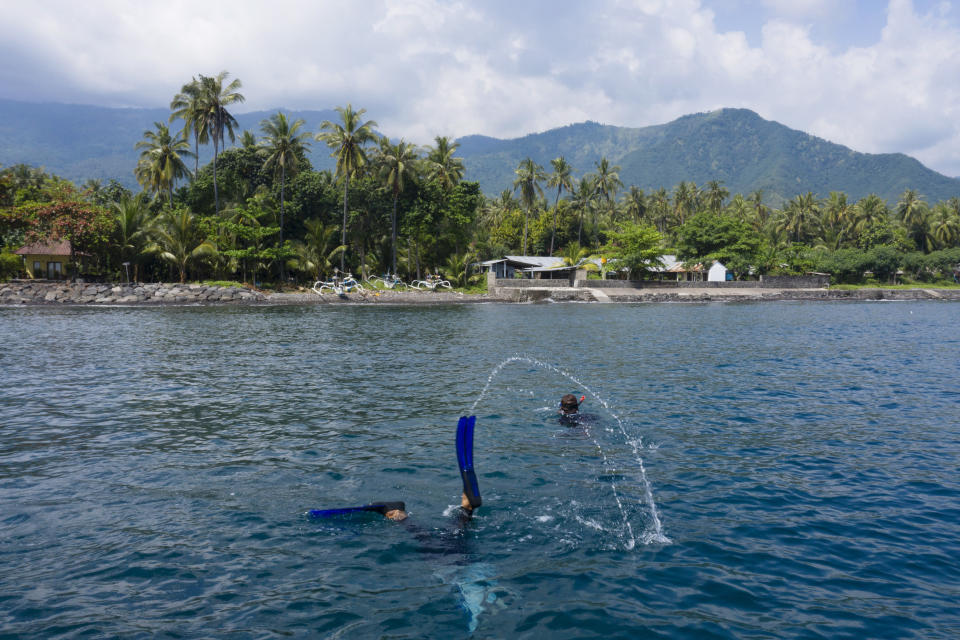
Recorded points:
(469, 500)
(570, 406)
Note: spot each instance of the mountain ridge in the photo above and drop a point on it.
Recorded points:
(736, 146)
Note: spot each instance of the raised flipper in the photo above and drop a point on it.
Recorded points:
(378, 507)
(465, 460)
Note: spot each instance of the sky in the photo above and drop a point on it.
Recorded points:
(876, 75)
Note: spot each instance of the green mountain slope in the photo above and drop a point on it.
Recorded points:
(79, 142)
(736, 146)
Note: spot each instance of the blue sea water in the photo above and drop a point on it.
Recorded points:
(774, 470)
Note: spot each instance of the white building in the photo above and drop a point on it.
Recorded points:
(717, 273)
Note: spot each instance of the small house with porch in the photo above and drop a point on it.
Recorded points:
(45, 259)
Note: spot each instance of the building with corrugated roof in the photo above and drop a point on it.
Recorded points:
(45, 259)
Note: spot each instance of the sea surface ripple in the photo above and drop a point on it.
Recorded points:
(156, 467)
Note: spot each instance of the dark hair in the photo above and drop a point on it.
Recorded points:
(569, 404)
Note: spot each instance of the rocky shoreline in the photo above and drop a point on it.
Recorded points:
(33, 293)
(25, 292)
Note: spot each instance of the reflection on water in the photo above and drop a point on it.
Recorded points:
(756, 470)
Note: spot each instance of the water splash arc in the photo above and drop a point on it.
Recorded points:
(655, 535)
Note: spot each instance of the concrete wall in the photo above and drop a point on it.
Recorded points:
(796, 282)
(765, 282)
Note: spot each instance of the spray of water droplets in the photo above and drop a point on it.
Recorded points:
(655, 534)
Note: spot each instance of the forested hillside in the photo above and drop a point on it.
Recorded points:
(735, 146)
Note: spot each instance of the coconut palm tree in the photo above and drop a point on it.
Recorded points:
(560, 178)
(529, 176)
(218, 122)
(910, 207)
(660, 204)
(715, 194)
(635, 204)
(607, 180)
(188, 105)
(457, 268)
(132, 217)
(583, 197)
(761, 212)
(573, 255)
(442, 166)
(868, 212)
(946, 226)
(347, 139)
(316, 253)
(177, 240)
(684, 200)
(161, 162)
(396, 162)
(283, 147)
(800, 216)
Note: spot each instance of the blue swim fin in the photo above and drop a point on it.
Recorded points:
(465, 460)
(379, 507)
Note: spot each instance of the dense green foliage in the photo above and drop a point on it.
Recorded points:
(261, 212)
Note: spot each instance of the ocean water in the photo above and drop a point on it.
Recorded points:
(774, 470)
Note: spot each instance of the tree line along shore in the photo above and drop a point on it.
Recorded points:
(259, 213)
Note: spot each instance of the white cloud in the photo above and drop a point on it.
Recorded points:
(433, 67)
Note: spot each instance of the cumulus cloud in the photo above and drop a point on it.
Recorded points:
(435, 67)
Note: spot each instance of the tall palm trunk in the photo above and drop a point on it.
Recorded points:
(556, 205)
(343, 229)
(216, 196)
(526, 214)
(196, 153)
(283, 176)
(394, 231)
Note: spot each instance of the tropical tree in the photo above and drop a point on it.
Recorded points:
(132, 227)
(869, 212)
(442, 166)
(161, 163)
(910, 208)
(635, 204)
(347, 139)
(946, 226)
(583, 197)
(560, 178)
(176, 239)
(799, 217)
(837, 218)
(607, 182)
(218, 122)
(396, 163)
(316, 253)
(283, 147)
(715, 193)
(916, 218)
(635, 247)
(684, 200)
(529, 176)
(660, 205)
(188, 105)
(457, 268)
(248, 140)
(573, 255)
(761, 212)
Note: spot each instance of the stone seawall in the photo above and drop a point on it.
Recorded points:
(33, 292)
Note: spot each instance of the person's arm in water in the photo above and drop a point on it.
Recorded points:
(465, 506)
(399, 515)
